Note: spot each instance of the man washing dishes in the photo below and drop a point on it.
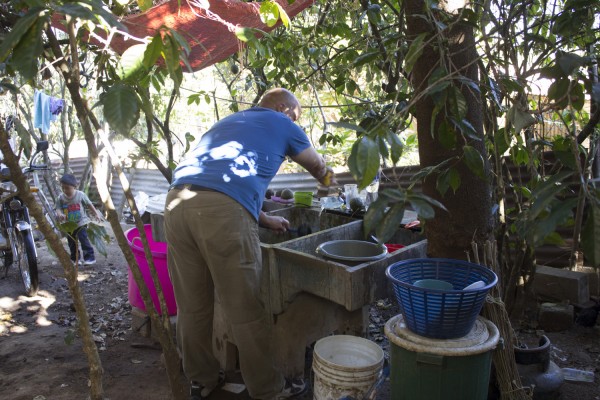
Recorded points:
(212, 215)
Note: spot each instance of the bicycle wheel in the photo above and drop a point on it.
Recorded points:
(26, 261)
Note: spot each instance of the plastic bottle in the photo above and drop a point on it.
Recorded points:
(372, 190)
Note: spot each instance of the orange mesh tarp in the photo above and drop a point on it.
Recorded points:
(209, 31)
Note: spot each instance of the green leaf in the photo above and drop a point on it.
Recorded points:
(458, 103)
(390, 223)
(570, 62)
(364, 161)
(285, 19)
(545, 193)
(19, 31)
(98, 236)
(7, 86)
(577, 96)
(393, 195)
(454, 178)
(501, 141)
(171, 57)
(383, 149)
(374, 215)
(414, 52)
(446, 135)
(417, 196)
(448, 179)
(366, 58)
(440, 104)
(145, 5)
(269, 13)
(558, 89)
(511, 85)
(468, 129)
(422, 207)
(183, 44)
(25, 137)
(589, 236)
(557, 216)
(245, 34)
(396, 146)
(563, 150)
(442, 183)
(132, 61)
(29, 49)
(520, 155)
(555, 239)
(438, 81)
(68, 227)
(90, 10)
(77, 11)
(153, 51)
(474, 161)
(426, 171)
(470, 83)
(374, 13)
(121, 108)
(189, 139)
(520, 119)
(347, 125)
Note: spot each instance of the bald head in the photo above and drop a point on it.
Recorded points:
(283, 101)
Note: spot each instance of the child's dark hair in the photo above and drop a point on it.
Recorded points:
(69, 179)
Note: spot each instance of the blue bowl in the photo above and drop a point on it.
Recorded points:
(440, 313)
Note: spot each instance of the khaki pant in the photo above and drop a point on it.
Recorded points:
(213, 247)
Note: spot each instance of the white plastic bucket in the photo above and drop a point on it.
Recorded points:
(345, 365)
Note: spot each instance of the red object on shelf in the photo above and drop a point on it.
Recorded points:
(393, 247)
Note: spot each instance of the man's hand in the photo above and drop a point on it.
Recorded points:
(329, 178)
(276, 223)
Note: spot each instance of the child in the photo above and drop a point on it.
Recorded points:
(71, 206)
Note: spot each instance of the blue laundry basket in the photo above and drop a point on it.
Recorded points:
(440, 313)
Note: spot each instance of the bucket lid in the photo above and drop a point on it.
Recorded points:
(483, 337)
(347, 351)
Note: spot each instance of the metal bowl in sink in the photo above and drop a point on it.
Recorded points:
(352, 250)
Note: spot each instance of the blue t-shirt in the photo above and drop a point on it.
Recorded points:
(241, 153)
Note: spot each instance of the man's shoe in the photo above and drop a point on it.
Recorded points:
(291, 388)
(89, 262)
(195, 391)
(199, 392)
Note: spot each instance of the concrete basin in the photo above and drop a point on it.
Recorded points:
(296, 267)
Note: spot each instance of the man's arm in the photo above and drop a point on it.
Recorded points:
(273, 222)
(315, 165)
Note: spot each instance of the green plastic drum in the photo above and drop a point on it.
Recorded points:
(440, 369)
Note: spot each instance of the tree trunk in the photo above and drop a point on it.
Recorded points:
(90, 126)
(468, 217)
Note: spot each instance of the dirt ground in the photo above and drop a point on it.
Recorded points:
(41, 357)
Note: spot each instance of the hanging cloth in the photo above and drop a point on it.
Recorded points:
(45, 110)
(56, 107)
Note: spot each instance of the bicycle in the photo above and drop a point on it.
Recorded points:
(18, 247)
